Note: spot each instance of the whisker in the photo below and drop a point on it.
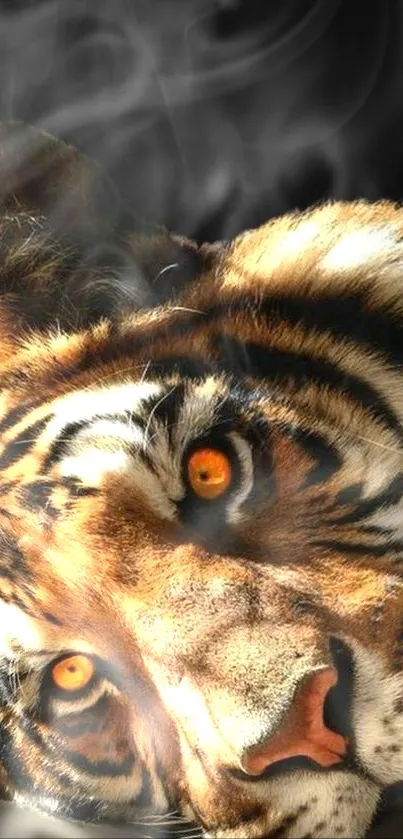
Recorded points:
(379, 445)
(186, 309)
(145, 371)
(152, 412)
(167, 823)
(115, 373)
(192, 832)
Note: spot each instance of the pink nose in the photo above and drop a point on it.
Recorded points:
(303, 732)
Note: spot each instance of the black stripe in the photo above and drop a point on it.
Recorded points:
(15, 415)
(188, 368)
(12, 560)
(50, 746)
(269, 363)
(22, 444)
(114, 347)
(326, 456)
(16, 600)
(376, 529)
(347, 317)
(145, 796)
(7, 486)
(16, 770)
(164, 407)
(76, 488)
(36, 496)
(51, 618)
(359, 549)
(88, 810)
(349, 495)
(320, 499)
(7, 689)
(145, 457)
(7, 513)
(18, 775)
(59, 446)
(389, 497)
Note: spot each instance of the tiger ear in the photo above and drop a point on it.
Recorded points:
(42, 175)
(120, 264)
(169, 263)
(139, 268)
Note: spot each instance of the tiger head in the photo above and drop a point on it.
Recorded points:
(200, 511)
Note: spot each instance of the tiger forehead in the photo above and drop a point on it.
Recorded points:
(129, 395)
(97, 402)
(143, 409)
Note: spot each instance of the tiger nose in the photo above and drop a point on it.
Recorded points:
(303, 733)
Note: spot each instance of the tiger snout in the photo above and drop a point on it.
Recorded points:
(304, 732)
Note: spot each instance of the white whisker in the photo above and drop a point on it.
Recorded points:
(379, 445)
(152, 412)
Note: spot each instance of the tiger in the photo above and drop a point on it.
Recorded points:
(201, 479)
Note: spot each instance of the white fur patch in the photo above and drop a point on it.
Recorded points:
(115, 429)
(92, 464)
(244, 453)
(283, 247)
(88, 404)
(17, 627)
(356, 249)
(298, 239)
(377, 720)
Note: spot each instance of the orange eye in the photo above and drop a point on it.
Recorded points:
(73, 673)
(209, 472)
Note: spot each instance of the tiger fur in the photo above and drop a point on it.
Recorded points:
(124, 350)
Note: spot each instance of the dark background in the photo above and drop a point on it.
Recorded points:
(212, 116)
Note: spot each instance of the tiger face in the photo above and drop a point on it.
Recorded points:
(200, 514)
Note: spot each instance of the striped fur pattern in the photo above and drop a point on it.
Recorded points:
(202, 617)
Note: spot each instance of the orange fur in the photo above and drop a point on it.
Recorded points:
(202, 639)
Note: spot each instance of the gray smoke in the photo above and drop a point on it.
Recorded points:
(211, 115)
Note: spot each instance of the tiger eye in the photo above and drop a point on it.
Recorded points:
(73, 673)
(209, 472)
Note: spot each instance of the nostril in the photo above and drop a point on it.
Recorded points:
(304, 732)
(336, 712)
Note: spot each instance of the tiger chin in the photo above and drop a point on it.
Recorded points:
(201, 478)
